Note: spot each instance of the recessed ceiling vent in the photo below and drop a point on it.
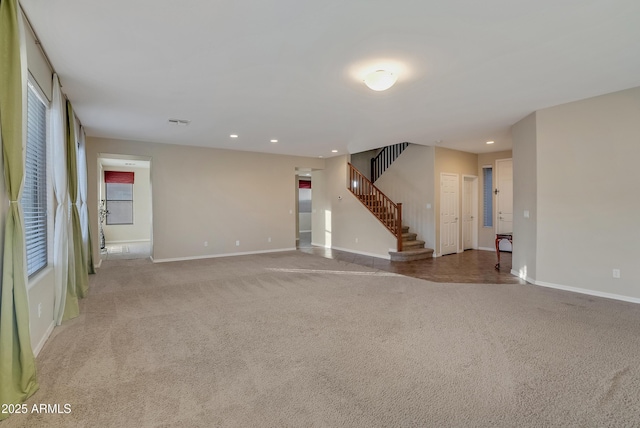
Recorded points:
(179, 122)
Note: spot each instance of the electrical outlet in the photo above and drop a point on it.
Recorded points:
(39, 310)
(206, 243)
(269, 239)
(356, 240)
(616, 273)
(237, 243)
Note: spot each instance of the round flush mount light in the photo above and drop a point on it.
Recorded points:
(380, 80)
(490, 142)
(233, 136)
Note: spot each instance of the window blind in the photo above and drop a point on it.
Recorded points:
(34, 194)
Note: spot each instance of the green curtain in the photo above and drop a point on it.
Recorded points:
(81, 268)
(17, 363)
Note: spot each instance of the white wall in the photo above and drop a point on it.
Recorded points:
(140, 230)
(213, 195)
(586, 224)
(410, 180)
(339, 217)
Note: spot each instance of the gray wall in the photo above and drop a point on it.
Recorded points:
(586, 190)
(525, 198)
(213, 195)
(410, 180)
(339, 218)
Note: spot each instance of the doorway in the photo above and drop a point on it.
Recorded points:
(469, 212)
(125, 208)
(449, 197)
(303, 203)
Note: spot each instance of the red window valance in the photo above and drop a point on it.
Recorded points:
(304, 184)
(118, 177)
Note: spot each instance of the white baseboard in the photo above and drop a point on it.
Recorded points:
(579, 290)
(127, 242)
(320, 245)
(387, 257)
(304, 231)
(97, 266)
(213, 256)
(487, 249)
(47, 333)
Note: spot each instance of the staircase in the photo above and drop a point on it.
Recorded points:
(385, 157)
(412, 248)
(390, 215)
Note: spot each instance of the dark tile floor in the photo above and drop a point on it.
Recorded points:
(471, 266)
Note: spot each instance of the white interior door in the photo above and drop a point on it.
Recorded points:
(470, 213)
(504, 199)
(449, 195)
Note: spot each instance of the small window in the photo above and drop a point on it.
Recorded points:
(34, 193)
(119, 189)
(487, 196)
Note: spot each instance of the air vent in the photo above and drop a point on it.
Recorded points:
(179, 122)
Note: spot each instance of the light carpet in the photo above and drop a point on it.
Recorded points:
(291, 339)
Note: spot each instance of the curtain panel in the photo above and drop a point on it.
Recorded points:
(79, 270)
(82, 196)
(17, 362)
(58, 131)
(121, 177)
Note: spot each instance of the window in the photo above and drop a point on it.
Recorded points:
(119, 203)
(34, 194)
(487, 196)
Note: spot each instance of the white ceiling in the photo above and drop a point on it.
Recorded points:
(292, 70)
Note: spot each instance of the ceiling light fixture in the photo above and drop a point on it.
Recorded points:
(233, 136)
(490, 142)
(380, 80)
(274, 141)
(334, 151)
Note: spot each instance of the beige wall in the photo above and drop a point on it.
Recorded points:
(213, 195)
(140, 230)
(410, 180)
(454, 162)
(486, 235)
(525, 197)
(38, 66)
(339, 218)
(587, 194)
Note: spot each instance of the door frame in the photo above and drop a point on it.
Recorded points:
(496, 207)
(474, 209)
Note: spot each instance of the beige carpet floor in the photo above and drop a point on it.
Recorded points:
(295, 340)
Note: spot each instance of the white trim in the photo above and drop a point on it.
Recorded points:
(213, 256)
(458, 222)
(44, 339)
(388, 257)
(487, 249)
(319, 245)
(580, 290)
(304, 231)
(127, 242)
(97, 266)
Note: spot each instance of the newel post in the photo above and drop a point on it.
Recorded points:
(399, 227)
